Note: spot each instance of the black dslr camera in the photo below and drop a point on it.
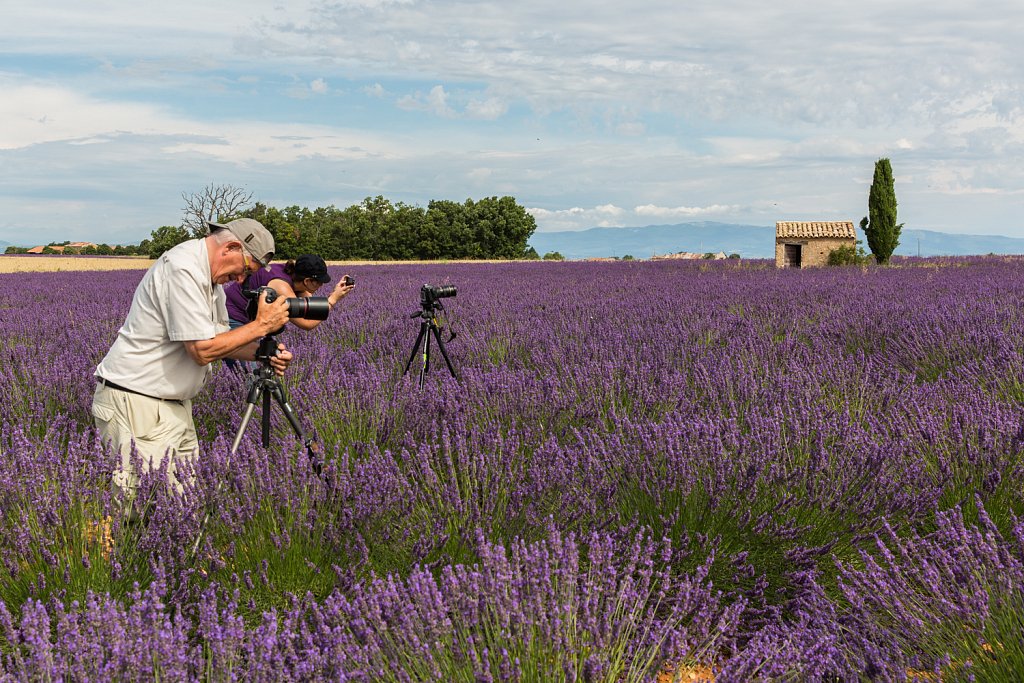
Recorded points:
(430, 294)
(308, 307)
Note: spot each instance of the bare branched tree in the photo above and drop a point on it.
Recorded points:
(213, 203)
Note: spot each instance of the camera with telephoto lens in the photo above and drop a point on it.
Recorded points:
(430, 294)
(308, 307)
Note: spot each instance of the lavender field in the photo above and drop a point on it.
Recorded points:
(644, 467)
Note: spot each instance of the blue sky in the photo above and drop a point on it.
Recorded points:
(588, 113)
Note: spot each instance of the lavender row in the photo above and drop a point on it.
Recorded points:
(536, 612)
(947, 604)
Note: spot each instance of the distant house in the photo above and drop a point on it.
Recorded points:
(681, 255)
(70, 248)
(801, 244)
(688, 256)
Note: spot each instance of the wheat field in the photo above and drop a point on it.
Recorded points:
(40, 263)
(18, 263)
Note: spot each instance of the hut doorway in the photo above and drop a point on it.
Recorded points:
(792, 256)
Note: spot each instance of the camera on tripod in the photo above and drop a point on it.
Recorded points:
(308, 307)
(429, 305)
(430, 294)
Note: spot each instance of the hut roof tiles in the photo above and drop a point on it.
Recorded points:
(804, 229)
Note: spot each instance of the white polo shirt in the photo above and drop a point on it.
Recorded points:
(175, 302)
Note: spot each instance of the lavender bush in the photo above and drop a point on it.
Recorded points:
(779, 474)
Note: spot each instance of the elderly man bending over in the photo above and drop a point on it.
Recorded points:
(178, 325)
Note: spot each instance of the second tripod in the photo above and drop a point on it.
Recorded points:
(429, 305)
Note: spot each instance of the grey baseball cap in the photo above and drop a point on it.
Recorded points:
(256, 239)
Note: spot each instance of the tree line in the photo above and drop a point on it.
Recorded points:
(88, 250)
(376, 229)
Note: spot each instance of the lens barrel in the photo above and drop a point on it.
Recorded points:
(309, 307)
(444, 291)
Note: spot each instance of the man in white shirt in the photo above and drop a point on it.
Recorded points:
(177, 326)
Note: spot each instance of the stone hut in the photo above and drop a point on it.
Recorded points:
(800, 244)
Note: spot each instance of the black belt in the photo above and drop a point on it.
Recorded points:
(108, 383)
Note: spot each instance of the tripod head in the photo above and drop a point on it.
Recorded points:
(267, 349)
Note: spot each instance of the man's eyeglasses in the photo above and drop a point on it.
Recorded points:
(249, 270)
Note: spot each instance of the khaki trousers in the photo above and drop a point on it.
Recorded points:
(157, 429)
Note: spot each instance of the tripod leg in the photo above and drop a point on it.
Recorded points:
(312, 449)
(289, 412)
(444, 351)
(425, 368)
(266, 419)
(246, 416)
(415, 346)
(256, 389)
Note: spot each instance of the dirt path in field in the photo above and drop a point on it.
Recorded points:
(48, 263)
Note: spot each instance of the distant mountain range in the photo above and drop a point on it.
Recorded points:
(749, 241)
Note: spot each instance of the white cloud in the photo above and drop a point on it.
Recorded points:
(35, 114)
(610, 215)
(631, 128)
(489, 109)
(435, 102)
(662, 212)
(319, 86)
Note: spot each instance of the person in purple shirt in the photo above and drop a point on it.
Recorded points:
(301, 277)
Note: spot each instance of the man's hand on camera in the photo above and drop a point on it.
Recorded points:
(281, 360)
(272, 316)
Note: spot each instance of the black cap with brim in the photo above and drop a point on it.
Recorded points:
(311, 265)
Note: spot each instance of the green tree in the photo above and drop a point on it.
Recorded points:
(280, 224)
(553, 256)
(882, 231)
(501, 226)
(447, 233)
(400, 234)
(166, 237)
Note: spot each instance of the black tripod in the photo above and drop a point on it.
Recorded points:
(428, 329)
(264, 385)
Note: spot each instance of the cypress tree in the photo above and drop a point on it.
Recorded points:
(882, 231)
